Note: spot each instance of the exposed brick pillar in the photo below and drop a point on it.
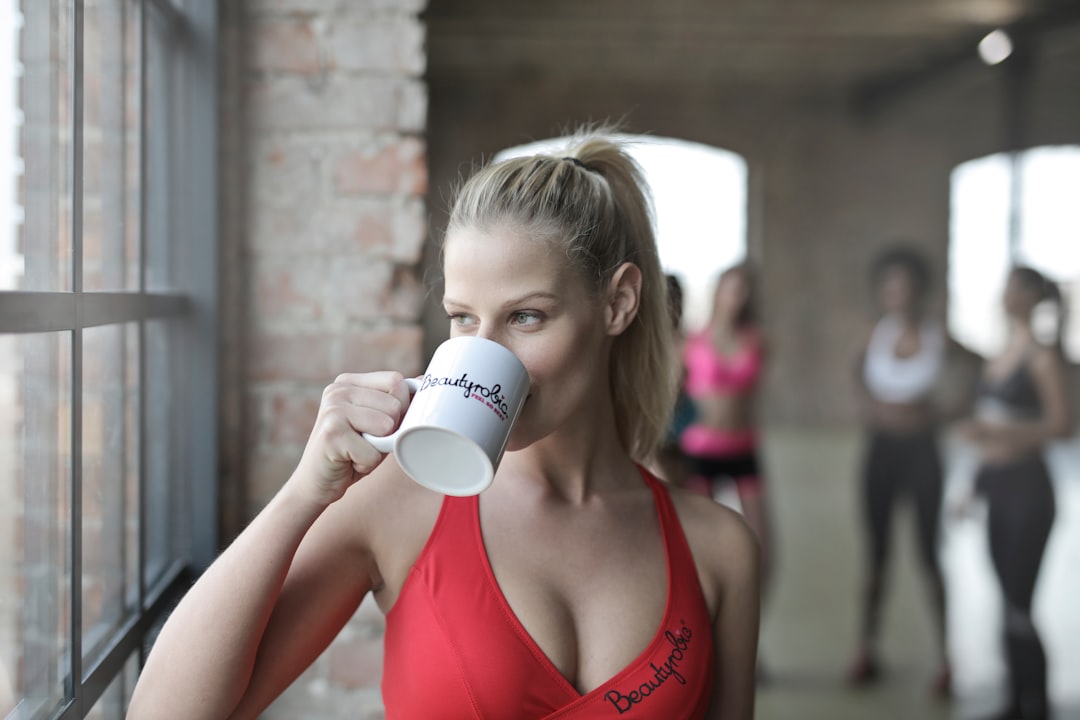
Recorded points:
(324, 174)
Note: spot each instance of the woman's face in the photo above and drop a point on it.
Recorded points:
(506, 287)
(732, 294)
(896, 290)
(1018, 299)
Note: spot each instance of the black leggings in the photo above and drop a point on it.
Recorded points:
(897, 465)
(1021, 512)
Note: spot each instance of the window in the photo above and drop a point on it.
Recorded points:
(996, 224)
(699, 194)
(107, 339)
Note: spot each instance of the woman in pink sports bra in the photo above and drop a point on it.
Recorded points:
(724, 363)
(575, 586)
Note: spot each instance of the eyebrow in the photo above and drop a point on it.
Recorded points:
(541, 295)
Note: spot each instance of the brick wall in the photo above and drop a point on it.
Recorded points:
(324, 174)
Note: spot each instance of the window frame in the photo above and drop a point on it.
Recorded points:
(192, 196)
(1010, 239)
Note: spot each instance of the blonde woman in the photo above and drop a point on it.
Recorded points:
(577, 584)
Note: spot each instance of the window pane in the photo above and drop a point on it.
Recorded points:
(46, 144)
(1050, 234)
(1050, 223)
(35, 468)
(110, 461)
(165, 433)
(112, 705)
(110, 145)
(10, 161)
(161, 161)
(979, 251)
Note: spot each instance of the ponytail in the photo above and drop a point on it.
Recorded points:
(1052, 293)
(1046, 290)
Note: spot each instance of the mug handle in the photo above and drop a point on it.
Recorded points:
(385, 443)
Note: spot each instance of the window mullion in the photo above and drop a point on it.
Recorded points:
(75, 524)
(143, 247)
(143, 170)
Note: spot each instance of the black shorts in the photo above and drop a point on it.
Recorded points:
(742, 469)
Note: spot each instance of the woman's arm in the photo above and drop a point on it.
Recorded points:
(864, 400)
(735, 627)
(277, 596)
(958, 385)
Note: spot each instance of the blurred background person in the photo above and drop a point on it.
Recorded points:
(899, 370)
(1022, 405)
(724, 363)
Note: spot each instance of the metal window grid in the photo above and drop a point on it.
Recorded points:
(195, 307)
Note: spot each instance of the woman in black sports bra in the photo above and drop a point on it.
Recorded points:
(1021, 406)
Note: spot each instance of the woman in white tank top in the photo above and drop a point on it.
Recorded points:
(903, 380)
(900, 367)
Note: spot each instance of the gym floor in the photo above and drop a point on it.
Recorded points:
(810, 621)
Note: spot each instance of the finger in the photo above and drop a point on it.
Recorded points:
(386, 381)
(351, 448)
(390, 382)
(340, 438)
(347, 421)
(370, 420)
(402, 393)
(343, 395)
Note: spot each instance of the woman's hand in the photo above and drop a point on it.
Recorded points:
(336, 455)
(961, 506)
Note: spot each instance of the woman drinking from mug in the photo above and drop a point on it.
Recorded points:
(1021, 406)
(576, 584)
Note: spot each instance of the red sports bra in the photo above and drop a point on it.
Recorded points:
(710, 372)
(455, 650)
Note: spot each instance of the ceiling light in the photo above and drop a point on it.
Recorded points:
(995, 47)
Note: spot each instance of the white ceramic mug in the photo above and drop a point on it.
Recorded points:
(458, 423)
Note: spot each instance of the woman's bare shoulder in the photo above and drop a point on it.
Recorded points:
(722, 544)
(704, 519)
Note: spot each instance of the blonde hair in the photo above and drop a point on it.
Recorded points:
(592, 203)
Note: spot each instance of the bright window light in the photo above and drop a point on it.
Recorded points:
(11, 259)
(699, 194)
(979, 251)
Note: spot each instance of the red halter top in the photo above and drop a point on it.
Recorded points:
(455, 650)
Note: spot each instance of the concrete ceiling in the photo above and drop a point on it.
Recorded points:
(791, 45)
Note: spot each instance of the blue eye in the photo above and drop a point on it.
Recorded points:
(461, 319)
(525, 317)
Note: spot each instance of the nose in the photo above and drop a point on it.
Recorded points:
(488, 331)
(495, 333)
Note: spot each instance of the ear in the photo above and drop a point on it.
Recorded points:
(623, 298)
